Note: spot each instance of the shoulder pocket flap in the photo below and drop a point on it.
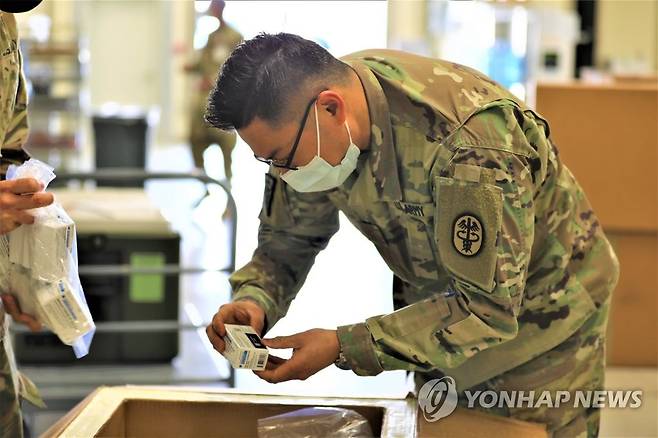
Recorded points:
(468, 219)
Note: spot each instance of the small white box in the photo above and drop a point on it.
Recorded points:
(44, 247)
(244, 348)
(61, 310)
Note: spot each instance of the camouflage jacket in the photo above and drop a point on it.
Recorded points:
(13, 97)
(498, 252)
(13, 133)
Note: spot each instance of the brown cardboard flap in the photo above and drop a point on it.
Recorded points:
(56, 429)
(634, 301)
(607, 137)
(466, 423)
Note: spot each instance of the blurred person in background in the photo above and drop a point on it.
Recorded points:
(207, 63)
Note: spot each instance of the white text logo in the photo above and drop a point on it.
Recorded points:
(438, 398)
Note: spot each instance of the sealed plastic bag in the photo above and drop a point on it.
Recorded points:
(315, 423)
(40, 262)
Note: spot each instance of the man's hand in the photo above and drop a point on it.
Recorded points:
(12, 308)
(313, 350)
(19, 195)
(244, 312)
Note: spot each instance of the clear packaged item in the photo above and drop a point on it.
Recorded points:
(315, 423)
(40, 265)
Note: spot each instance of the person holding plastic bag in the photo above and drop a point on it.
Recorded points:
(39, 267)
(41, 264)
(16, 198)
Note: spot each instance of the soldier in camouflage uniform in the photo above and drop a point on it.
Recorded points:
(503, 275)
(13, 203)
(220, 44)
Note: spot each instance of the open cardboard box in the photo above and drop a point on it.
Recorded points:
(140, 411)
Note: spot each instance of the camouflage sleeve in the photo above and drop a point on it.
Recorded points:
(490, 185)
(294, 228)
(16, 130)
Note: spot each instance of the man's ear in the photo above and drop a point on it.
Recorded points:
(333, 103)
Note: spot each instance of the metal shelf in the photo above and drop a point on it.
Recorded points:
(122, 270)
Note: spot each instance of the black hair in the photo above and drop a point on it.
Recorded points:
(263, 76)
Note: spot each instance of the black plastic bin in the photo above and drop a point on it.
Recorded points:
(121, 142)
(109, 299)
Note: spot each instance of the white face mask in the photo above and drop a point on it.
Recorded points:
(318, 175)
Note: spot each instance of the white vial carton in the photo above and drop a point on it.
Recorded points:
(244, 348)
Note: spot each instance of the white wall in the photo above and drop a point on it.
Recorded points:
(133, 58)
(627, 32)
(349, 281)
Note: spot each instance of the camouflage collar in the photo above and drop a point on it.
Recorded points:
(382, 158)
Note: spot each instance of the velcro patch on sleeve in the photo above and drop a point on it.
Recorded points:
(468, 219)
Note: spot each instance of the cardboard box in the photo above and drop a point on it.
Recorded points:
(133, 411)
(468, 423)
(633, 326)
(608, 137)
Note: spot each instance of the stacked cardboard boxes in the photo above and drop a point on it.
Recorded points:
(608, 137)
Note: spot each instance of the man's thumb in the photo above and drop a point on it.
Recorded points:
(280, 342)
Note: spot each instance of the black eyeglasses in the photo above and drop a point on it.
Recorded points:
(294, 146)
